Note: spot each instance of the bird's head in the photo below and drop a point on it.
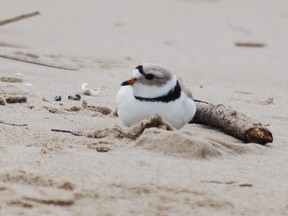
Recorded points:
(150, 80)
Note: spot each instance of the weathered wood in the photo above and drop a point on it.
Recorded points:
(15, 19)
(231, 122)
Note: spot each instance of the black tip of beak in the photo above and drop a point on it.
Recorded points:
(125, 83)
(128, 82)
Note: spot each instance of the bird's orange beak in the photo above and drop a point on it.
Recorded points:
(128, 82)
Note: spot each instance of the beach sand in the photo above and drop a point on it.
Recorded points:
(197, 170)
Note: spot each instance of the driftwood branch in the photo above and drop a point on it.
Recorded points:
(224, 118)
(231, 122)
(15, 19)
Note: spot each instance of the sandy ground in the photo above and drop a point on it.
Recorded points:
(194, 171)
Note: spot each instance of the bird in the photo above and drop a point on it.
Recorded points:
(154, 90)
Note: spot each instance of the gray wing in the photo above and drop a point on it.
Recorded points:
(184, 89)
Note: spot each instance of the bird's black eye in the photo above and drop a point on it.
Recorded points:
(149, 76)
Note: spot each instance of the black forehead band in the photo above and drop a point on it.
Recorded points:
(140, 69)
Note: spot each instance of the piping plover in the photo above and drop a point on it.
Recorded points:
(154, 90)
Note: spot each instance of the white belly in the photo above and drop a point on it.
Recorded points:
(131, 111)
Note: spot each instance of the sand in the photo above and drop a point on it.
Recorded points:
(194, 171)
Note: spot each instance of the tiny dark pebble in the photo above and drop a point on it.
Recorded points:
(76, 97)
(58, 98)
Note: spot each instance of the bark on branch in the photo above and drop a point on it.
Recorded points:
(231, 122)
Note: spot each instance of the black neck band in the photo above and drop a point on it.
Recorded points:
(171, 96)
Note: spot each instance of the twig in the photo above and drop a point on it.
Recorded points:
(231, 122)
(68, 131)
(218, 182)
(15, 19)
(245, 185)
(20, 125)
(228, 183)
(36, 63)
(249, 44)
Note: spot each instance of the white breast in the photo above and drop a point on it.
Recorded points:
(131, 111)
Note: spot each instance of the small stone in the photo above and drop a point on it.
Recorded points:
(58, 98)
(76, 97)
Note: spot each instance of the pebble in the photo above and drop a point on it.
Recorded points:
(58, 98)
(76, 97)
